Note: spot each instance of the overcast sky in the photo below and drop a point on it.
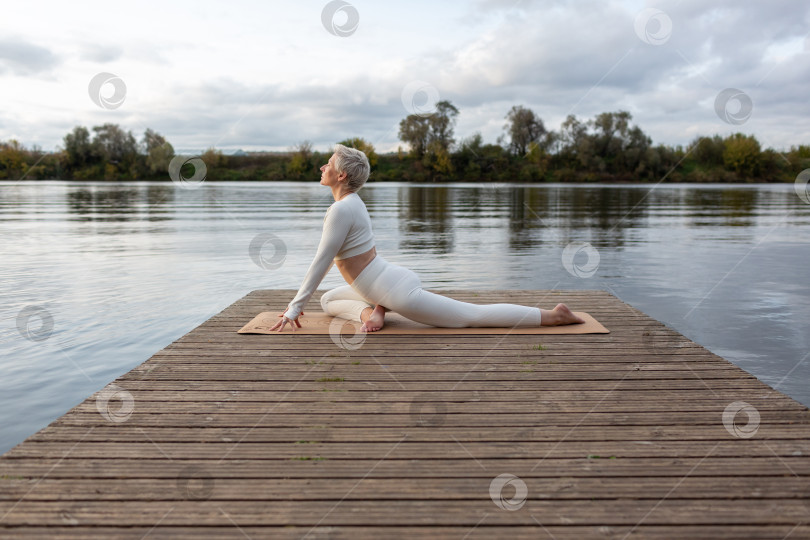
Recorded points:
(266, 75)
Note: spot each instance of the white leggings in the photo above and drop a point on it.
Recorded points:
(400, 289)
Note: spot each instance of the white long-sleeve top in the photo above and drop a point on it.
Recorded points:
(346, 232)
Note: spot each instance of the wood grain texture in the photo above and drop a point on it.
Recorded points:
(640, 433)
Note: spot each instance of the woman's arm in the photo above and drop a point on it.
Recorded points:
(336, 225)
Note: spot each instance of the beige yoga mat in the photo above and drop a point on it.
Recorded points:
(319, 322)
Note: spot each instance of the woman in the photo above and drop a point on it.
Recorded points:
(375, 285)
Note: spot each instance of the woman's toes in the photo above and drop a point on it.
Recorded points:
(377, 320)
(370, 326)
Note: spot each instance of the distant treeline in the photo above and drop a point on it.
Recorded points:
(606, 148)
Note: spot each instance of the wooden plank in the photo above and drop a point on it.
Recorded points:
(394, 489)
(697, 416)
(715, 466)
(370, 366)
(180, 391)
(408, 512)
(479, 531)
(295, 435)
(544, 412)
(314, 374)
(745, 385)
(303, 435)
(142, 448)
(268, 419)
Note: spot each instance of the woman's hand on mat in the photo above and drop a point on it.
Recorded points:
(284, 320)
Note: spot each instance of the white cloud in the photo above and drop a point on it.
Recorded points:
(259, 75)
(19, 57)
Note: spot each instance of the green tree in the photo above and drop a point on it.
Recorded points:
(12, 160)
(708, 151)
(414, 130)
(618, 147)
(216, 165)
(442, 124)
(113, 143)
(800, 155)
(78, 147)
(159, 152)
(635, 151)
(571, 139)
(438, 158)
(610, 130)
(427, 134)
(742, 154)
(468, 157)
(524, 129)
(773, 165)
(300, 160)
(117, 149)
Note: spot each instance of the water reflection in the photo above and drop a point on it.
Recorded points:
(432, 208)
(530, 213)
(432, 215)
(121, 202)
(427, 219)
(733, 207)
(722, 264)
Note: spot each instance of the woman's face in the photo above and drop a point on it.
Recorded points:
(329, 174)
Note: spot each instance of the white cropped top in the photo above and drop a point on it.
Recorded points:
(346, 233)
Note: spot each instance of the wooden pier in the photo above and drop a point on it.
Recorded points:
(640, 433)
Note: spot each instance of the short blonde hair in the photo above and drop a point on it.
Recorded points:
(354, 163)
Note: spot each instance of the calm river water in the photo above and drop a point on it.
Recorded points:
(122, 270)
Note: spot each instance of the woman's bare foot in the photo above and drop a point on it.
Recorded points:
(559, 316)
(372, 320)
